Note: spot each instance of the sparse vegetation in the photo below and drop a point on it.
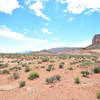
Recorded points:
(70, 68)
(3, 65)
(15, 75)
(61, 65)
(6, 71)
(85, 73)
(53, 79)
(96, 69)
(50, 67)
(77, 80)
(22, 84)
(27, 69)
(98, 95)
(33, 75)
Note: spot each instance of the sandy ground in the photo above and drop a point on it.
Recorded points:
(37, 89)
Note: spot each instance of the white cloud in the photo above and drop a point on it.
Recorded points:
(79, 6)
(31, 44)
(83, 43)
(44, 30)
(37, 7)
(71, 19)
(7, 6)
(6, 32)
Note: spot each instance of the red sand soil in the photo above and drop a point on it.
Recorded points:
(65, 89)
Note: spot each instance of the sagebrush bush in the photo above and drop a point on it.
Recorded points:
(15, 68)
(96, 69)
(77, 80)
(15, 75)
(50, 67)
(85, 73)
(61, 65)
(3, 65)
(71, 68)
(22, 84)
(53, 79)
(98, 95)
(45, 59)
(27, 69)
(6, 71)
(33, 75)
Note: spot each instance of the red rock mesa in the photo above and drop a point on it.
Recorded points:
(96, 39)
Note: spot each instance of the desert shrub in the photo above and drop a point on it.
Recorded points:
(39, 62)
(58, 77)
(49, 80)
(98, 95)
(33, 75)
(15, 68)
(61, 65)
(50, 67)
(29, 63)
(96, 69)
(6, 71)
(27, 69)
(22, 84)
(13, 61)
(77, 80)
(53, 79)
(74, 62)
(45, 59)
(85, 73)
(15, 75)
(71, 68)
(52, 61)
(85, 62)
(24, 65)
(3, 65)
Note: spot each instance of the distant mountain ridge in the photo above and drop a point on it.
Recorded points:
(57, 50)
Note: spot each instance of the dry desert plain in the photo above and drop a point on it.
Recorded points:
(49, 77)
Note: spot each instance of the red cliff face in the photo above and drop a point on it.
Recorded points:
(96, 39)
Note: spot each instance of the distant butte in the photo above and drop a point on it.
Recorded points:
(95, 42)
(96, 39)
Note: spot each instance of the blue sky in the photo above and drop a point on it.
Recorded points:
(43, 24)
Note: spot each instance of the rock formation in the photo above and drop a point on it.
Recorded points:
(96, 39)
(95, 42)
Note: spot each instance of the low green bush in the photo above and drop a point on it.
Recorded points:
(98, 95)
(71, 68)
(27, 69)
(85, 73)
(6, 71)
(50, 67)
(3, 65)
(33, 75)
(61, 65)
(15, 75)
(77, 80)
(53, 79)
(96, 69)
(22, 84)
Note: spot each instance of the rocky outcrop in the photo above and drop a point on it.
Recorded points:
(96, 39)
(95, 42)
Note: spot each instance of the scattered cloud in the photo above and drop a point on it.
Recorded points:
(71, 19)
(37, 7)
(83, 43)
(7, 6)
(44, 30)
(32, 44)
(6, 32)
(80, 6)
